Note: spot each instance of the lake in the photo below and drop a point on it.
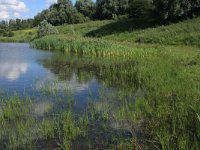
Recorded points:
(23, 71)
(38, 85)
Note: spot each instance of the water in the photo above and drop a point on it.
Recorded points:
(51, 80)
(24, 70)
(21, 68)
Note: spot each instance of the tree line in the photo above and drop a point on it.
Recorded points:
(84, 10)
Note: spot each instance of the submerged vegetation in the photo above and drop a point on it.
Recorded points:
(22, 129)
(153, 103)
(164, 95)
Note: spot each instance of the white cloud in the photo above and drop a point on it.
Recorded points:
(13, 70)
(4, 14)
(12, 8)
(16, 14)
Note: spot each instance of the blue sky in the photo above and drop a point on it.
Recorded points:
(23, 8)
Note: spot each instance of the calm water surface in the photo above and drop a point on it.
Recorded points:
(23, 70)
(51, 80)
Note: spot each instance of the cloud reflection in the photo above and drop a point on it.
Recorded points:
(12, 71)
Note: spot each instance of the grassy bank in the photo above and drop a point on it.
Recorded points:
(124, 32)
(131, 31)
(139, 31)
(119, 38)
(21, 36)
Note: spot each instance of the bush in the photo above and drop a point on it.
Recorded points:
(140, 8)
(173, 9)
(80, 18)
(10, 34)
(46, 28)
(2, 32)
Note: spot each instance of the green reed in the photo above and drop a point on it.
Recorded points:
(84, 46)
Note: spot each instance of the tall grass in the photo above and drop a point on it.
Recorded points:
(22, 129)
(158, 95)
(168, 111)
(85, 46)
(164, 107)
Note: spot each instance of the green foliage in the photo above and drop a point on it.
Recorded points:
(16, 24)
(62, 12)
(6, 33)
(159, 10)
(108, 9)
(21, 36)
(2, 32)
(182, 33)
(46, 28)
(80, 18)
(168, 9)
(86, 7)
(10, 34)
(84, 46)
(44, 15)
(140, 8)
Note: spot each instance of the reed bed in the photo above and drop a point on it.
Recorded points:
(85, 46)
(158, 93)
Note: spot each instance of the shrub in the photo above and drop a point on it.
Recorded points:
(2, 31)
(10, 34)
(140, 8)
(46, 28)
(80, 18)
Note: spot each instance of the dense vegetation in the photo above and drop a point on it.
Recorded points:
(155, 92)
(167, 76)
(84, 10)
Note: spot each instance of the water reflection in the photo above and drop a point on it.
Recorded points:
(61, 82)
(13, 70)
(20, 67)
(115, 73)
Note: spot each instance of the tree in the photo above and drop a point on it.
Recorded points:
(123, 6)
(172, 9)
(140, 8)
(62, 12)
(46, 28)
(44, 15)
(86, 7)
(106, 9)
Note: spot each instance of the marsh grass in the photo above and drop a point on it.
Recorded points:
(85, 46)
(21, 129)
(161, 99)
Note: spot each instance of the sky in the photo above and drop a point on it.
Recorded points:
(23, 9)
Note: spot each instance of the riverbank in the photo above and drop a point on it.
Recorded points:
(127, 32)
